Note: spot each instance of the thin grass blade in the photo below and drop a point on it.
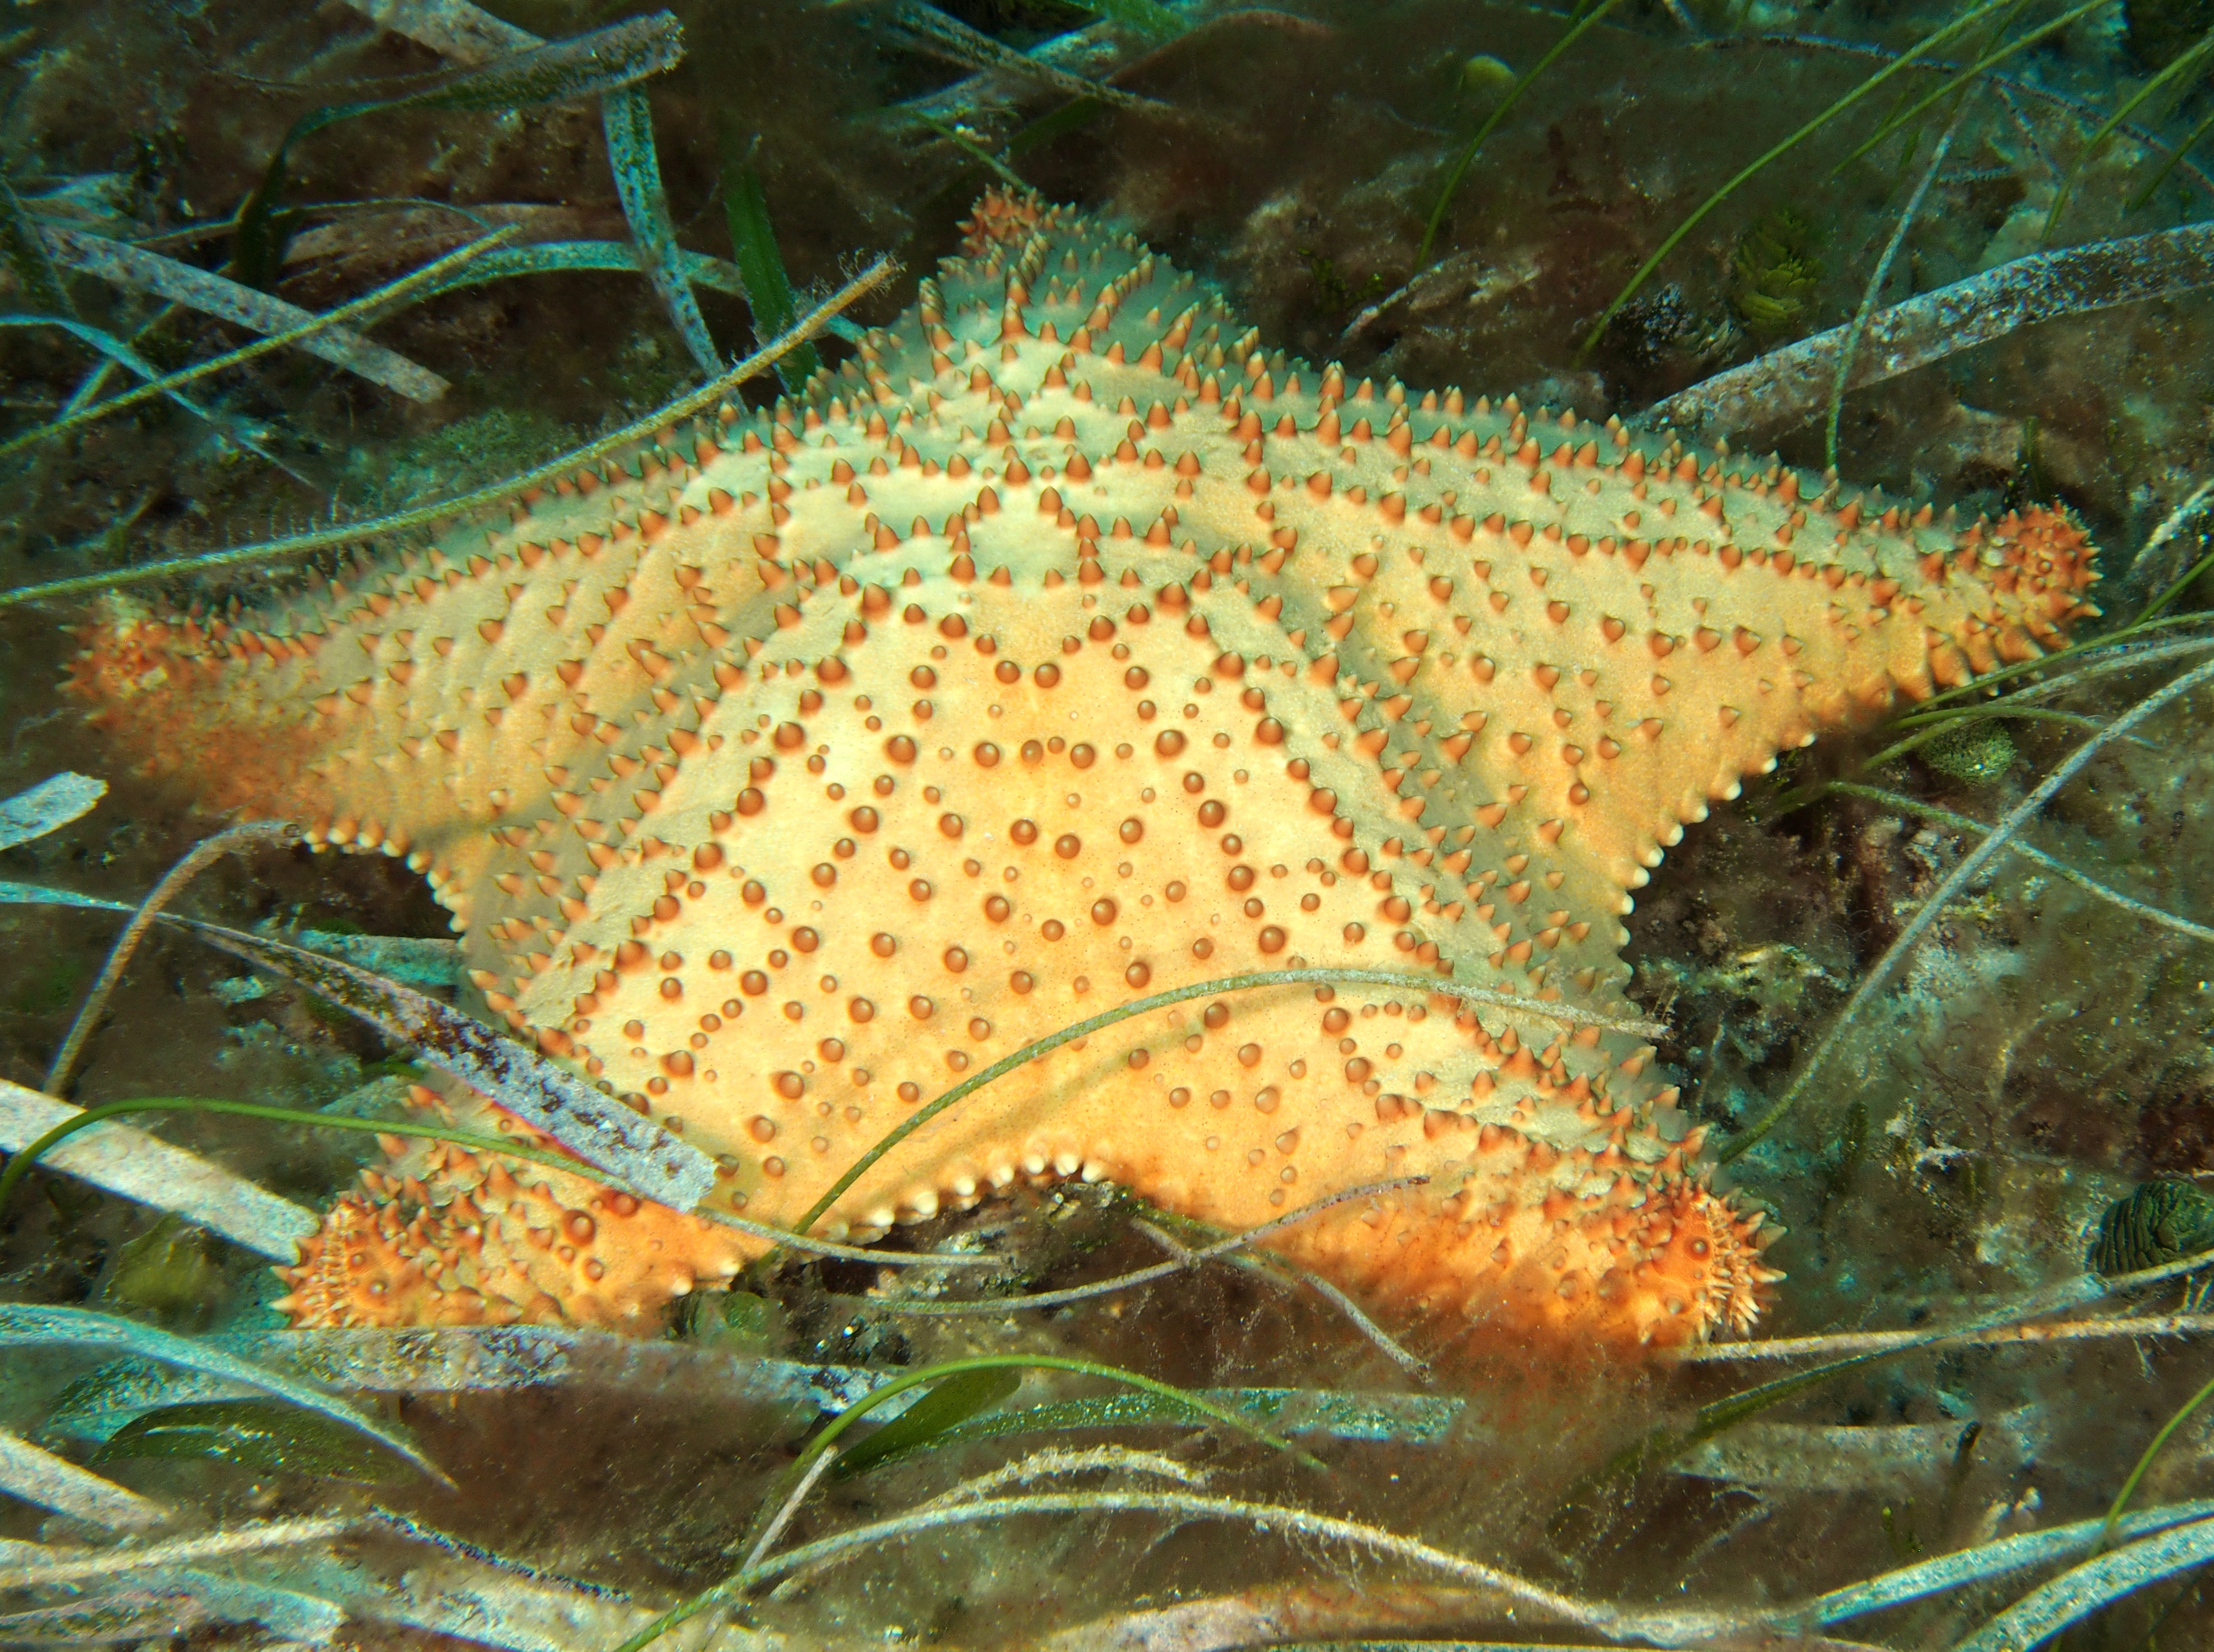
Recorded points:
(14, 894)
(1980, 66)
(416, 960)
(588, 1121)
(2184, 66)
(1665, 1444)
(1523, 82)
(928, 1423)
(253, 1433)
(2088, 1588)
(125, 265)
(134, 1165)
(1330, 1413)
(1993, 1560)
(119, 352)
(948, 36)
(41, 1566)
(1785, 384)
(1681, 1627)
(37, 1475)
(628, 118)
(202, 854)
(2182, 1414)
(25, 252)
(777, 1503)
(2183, 583)
(548, 257)
(419, 961)
(760, 266)
(2174, 160)
(974, 151)
(1922, 48)
(1903, 946)
(471, 1360)
(1072, 115)
(35, 1151)
(1224, 1246)
(25, 1326)
(1147, 17)
(1874, 293)
(449, 1588)
(1605, 1487)
(390, 294)
(558, 71)
(306, 1619)
(2197, 932)
(1098, 52)
(160, 1610)
(439, 510)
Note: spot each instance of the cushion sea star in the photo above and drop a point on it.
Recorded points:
(1065, 648)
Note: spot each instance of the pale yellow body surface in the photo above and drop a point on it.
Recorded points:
(1063, 651)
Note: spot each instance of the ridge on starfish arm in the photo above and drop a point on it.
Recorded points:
(1062, 649)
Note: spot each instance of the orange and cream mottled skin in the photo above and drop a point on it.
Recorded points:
(1063, 649)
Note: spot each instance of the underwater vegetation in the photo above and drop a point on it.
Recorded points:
(1777, 267)
(335, 334)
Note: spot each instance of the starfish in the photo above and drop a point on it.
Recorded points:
(1063, 648)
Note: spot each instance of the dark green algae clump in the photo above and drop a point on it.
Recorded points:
(2161, 1222)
